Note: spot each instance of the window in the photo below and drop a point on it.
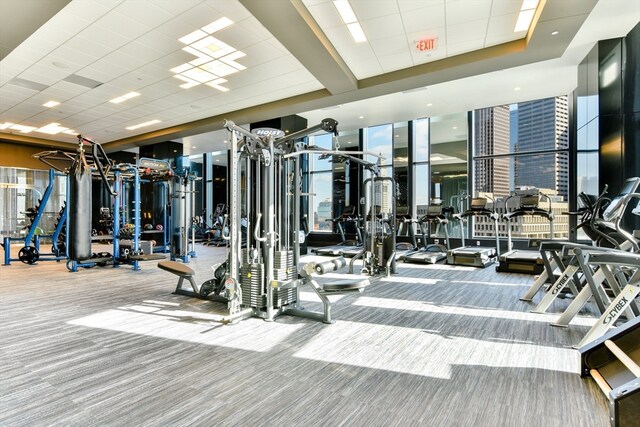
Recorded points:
(523, 145)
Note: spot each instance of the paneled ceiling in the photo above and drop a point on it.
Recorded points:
(280, 57)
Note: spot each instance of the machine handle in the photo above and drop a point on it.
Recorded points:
(256, 230)
(224, 225)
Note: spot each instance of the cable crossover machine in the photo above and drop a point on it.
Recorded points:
(260, 277)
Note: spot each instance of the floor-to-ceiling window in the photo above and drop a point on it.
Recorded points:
(518, 146)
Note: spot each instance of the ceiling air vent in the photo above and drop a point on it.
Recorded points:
(82, 81)
(27, 84)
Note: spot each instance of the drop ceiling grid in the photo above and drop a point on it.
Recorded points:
(459, 26)
(129, 41)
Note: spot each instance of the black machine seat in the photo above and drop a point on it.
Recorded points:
(345, 285)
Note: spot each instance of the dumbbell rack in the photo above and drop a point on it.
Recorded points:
(613, 362)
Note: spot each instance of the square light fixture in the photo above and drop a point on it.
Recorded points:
(345, 11)
(149, 123)
(350, 20)
(214, 58)
(124, 97)
(50, 104)
(527, 11)
(51, 129)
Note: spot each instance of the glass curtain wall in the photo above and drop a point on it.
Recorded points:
(518, 146)
(321, 186)
(448, 159)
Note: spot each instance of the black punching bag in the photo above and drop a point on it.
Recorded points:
(79, 209)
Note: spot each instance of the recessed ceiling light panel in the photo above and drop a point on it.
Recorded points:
(50, 104)
(149, 123)
(214, 58)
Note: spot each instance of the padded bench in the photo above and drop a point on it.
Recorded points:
(182, 271)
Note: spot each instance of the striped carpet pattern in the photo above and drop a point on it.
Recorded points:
(433, 345)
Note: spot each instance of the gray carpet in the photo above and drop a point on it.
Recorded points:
(431, 346)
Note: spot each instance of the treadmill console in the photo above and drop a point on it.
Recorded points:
(478, 203)
(529, 201)
(612, 211)
(434, 210)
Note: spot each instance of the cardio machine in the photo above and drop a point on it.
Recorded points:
(475, 256)
(345, 247)
(520, 260)
(430, 253)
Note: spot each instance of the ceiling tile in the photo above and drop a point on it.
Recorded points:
(423, 19)
(464, 47)
(473, 30)
(148, 12)
(325, 14)
(369, 9)
(505, 7)
(459, 11)
(90, 10)
(176, 7)
(424, 57)
(137, 54)
(395, 61)
(258, 54)
(233, 10)
(502, 26)
(128, 28)
(390, 45)
(409, 5)
(366, 68)
(65, 53)
(382, 27)
(198, 16)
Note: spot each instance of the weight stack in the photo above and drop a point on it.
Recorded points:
(251, 282)
(284, 271)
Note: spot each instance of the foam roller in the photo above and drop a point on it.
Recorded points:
(332, 265)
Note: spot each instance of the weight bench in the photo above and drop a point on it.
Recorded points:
(337, 287)
(183, 272)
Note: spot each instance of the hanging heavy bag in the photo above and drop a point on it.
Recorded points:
(79, 209)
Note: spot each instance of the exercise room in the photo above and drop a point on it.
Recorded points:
(320, 213)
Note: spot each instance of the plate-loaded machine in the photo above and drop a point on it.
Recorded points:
(345, 247)
(613, 362)
(263, 279)
(476, 256)
(519, 260)
(566, 258)
(430, 253)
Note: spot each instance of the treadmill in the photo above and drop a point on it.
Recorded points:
(344, 245)
(475, 256)
(404, 225)
(522, 260)
(430, 253)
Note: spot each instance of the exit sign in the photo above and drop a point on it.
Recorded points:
(427, 44)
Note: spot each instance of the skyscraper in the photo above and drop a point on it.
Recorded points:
(543, 125)
(492, 127)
